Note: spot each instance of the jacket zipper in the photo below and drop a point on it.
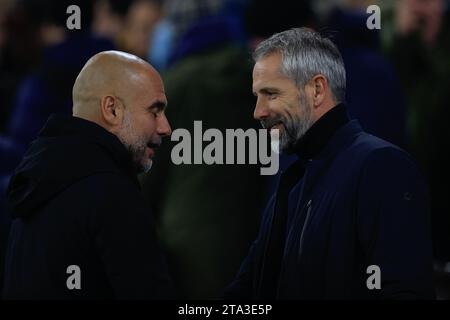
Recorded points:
(308, 214)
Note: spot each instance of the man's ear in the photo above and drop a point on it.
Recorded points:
(320, 87)
(111, 110)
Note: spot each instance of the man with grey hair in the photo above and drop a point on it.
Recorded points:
(81, 229)
(349, 219)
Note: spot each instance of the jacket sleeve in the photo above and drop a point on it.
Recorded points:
(124, 236)
(393, 225)
(242, 287)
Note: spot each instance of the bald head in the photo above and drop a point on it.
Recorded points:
(111, 73)
(125, 95)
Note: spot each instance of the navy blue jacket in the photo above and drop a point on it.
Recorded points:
(360, 201)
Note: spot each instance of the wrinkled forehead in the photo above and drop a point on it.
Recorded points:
(147, 85)
(268, 66)
(268, 71)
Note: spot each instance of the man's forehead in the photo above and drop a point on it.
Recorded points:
(267, 72)
(153, 85)
(158, 99)
(151, 77)
(268, 64)
(150, 92)
(157, 96)
(268, 69)
(159, 91)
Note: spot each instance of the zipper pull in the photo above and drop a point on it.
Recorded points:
(308, 211)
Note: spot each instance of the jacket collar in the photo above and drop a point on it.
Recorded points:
(58, 125)
(321, 132)
(326, 151)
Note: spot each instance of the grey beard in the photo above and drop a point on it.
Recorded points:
(295, 129)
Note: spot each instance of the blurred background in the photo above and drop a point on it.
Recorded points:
(398, 86)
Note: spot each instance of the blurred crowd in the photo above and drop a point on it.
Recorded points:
(398, 86)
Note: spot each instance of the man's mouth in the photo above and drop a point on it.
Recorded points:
(276, 125)
(271, 124)
(152, 147)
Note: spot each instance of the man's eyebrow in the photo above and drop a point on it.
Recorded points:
(158, 105)
(267, 90)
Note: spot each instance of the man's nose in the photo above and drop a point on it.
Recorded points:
(261, 110)
(164, 128)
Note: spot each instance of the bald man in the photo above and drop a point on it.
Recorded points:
(81, 229)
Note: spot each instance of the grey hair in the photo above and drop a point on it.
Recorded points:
(305, 53)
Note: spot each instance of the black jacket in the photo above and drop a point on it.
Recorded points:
(75, 200)
(350, 202)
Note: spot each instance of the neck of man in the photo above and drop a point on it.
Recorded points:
(321, 132)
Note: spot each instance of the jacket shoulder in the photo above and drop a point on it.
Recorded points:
(107, 185)
(367, 146)
(379, 158)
